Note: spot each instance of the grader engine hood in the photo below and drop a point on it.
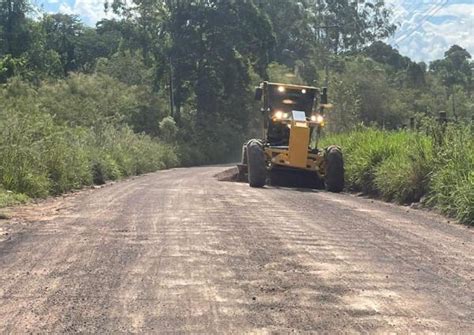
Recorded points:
(299, 137)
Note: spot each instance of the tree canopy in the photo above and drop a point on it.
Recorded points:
(189, 67)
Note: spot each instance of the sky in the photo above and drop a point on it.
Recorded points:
(427, 28)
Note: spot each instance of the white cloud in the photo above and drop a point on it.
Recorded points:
(90, 11)
(428, 30)
(64, 8)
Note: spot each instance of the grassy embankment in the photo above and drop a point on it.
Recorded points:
(434, 167)
(63, 136)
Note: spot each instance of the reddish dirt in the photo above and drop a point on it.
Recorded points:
(181, 252)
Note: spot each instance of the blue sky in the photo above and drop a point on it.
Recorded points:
(427, 27)
(89, 10)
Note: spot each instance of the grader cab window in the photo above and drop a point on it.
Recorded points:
(288, 99)
(283, 100)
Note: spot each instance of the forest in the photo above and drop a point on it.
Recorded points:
(171, 83)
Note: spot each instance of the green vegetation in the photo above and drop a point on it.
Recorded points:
(170, 83)
(10, 198)
(64, 136)
(406, 167)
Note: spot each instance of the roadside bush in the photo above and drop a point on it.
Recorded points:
(103, 167)
(66, 159)
(168, 129)
(22, 168)
(88, 100)
(10, 198)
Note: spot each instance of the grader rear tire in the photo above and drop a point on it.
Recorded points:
(334, 170)
(257, 172)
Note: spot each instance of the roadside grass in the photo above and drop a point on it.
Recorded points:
(10, 199)
(408, 167)
(54, 159)
(452, 180)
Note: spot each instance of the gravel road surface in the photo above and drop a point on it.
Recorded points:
(180, 252)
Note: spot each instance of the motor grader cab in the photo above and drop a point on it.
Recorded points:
(293, 120)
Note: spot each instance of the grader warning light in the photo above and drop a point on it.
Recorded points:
(293, 120)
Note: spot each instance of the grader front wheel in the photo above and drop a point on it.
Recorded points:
(257, 172)
(334, 179)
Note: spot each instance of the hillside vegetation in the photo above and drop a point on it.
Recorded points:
(168, 83)
(49, 145)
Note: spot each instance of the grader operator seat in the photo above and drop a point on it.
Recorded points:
(279, 101)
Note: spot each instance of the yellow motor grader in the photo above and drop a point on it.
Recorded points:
(293, 121)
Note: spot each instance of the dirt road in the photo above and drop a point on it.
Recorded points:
(181, 252)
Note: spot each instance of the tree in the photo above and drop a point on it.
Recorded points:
(14, 27)
(415, 75)
(62, 33)
(386, 54)
(351, 25)
(456, 67)
(454, 70)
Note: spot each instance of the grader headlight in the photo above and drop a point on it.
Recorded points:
(318, 118)
(279, 116)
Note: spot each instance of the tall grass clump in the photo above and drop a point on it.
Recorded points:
(404, 176)
(435, 165)
(9, 198)
(452, 180)
(365, 152)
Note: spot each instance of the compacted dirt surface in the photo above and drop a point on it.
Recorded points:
(181, 252)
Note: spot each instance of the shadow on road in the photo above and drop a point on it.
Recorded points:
(295, 180)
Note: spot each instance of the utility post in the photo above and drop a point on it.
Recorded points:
(472, 122)
(454, 104)
(441, 129)
(443, 118)
(171, 88)
(326, 66)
